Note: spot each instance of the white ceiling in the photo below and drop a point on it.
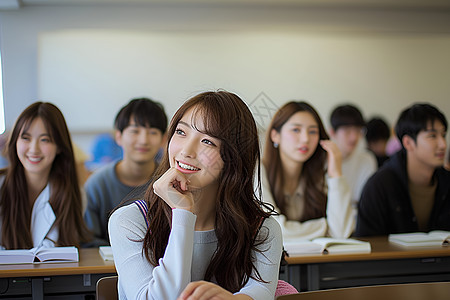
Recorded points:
(361, 4)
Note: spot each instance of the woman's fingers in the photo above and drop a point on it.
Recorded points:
(173, 188)
(202, 290)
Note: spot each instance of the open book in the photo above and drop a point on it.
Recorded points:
(326, 245)
(421, 239)
(28, 256)
(106, 252)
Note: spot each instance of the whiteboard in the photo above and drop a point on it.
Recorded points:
(90, 74)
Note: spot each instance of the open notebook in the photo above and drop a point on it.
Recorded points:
(326, 245)
(39, 255)
(421, 239)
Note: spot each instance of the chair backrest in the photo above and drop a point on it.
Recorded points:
(407, 291)
(106, 288)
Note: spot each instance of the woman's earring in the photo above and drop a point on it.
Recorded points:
(275, 145)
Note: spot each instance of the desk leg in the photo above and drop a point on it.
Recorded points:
(313, 277)
(284, 273)
(37, 288)
(294, 276)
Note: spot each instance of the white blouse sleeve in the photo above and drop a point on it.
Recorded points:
(138, 279)
(340, 216)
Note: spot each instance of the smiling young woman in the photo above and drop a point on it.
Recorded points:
(40, 202)
(207, 231)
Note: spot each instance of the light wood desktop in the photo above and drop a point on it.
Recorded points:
(54, 278)
(387, 263)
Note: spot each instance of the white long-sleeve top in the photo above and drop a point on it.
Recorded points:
(339, 221)
(186, 258)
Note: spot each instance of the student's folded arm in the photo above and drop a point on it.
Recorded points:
(267, 262)
(340, 216)
(138, 279)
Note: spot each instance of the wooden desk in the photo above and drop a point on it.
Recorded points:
(409, 291)
(55, 280)
(387, 263)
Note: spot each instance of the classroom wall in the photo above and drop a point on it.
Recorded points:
(90, 60)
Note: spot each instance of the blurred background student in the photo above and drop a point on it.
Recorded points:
(378, 134)
(104, 150)
(302, 176)
(411, 192)
(358, 164)
(40, 199)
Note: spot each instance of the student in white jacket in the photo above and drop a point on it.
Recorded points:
(202, 232)
(302, 176)
(40, 199)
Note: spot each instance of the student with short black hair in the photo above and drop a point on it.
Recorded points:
(411, 192)
(358, 164)
(377, 137)
(40, 199)
(140, 128)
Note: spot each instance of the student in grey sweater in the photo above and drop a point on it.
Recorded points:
(140, 128)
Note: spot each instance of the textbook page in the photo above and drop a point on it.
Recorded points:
(41, 255)
(326, 245)
(421, 239)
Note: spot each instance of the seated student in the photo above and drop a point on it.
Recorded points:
(297, 156)
(358, 164)
(40, 200)
(377, 136)
(140, 128)
(411, 192)
(205, 232)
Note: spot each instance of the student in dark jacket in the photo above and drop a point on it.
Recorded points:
(411, 192)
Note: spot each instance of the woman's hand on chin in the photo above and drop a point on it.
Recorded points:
(173, 188)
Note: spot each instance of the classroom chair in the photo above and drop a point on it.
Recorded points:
(406, 291)
(284, 288)
(106, 288)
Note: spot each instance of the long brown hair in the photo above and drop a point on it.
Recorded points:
(313, 170)
(65, 197)
(238, 210)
